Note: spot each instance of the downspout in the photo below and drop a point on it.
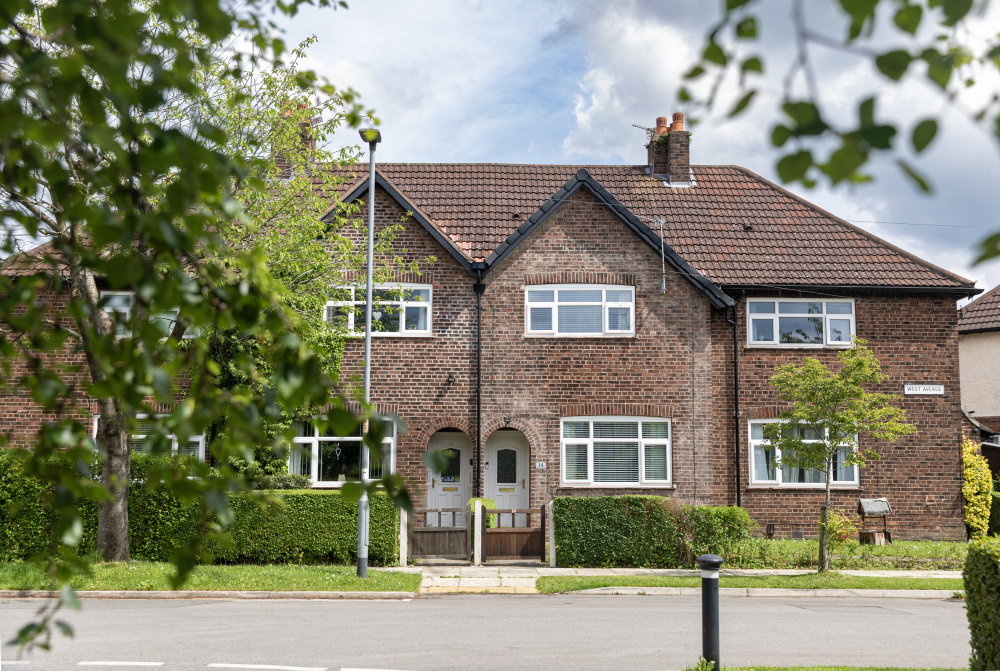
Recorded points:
(736, 399)
(479, 287)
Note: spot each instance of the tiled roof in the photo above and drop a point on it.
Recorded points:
(734, 226)
(982, 314)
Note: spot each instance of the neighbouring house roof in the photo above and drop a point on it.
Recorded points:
(982, 314)
(734, 227)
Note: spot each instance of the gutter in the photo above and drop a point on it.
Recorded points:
(931, 291)
(479, 288)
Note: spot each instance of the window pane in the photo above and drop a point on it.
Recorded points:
(453, 471)
(419, 295)
(580, 319)
(140, 445)
(616, 429)
(303, 429)
(576, 429)
(842, 473)
(616, 462)
(580, 295)
(117, 301)
(339, 460)
(810, 433)
(757, 431)
(840, 330)
(763, 330)
(656, 462)
(145, 425)
(337, 315)
(576, 462)
(541, 319)
(762, 308)
(619, 319)
(763, 460)
(164, 321)
(416, 318)
(189, 449)
(656, 429)
(839, 308)
(791, 475)
(506, 467)
(385, 318)
(806, 330)
(619, 295)
(300, 460)
(800, 308)
(383, 295)
(541, 296)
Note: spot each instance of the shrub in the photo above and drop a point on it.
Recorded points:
(282, 481)
(995, 508)
(840, 527)
(488, 504)
(977, 489)
(982, 602)
(648, 531)
(25, 517)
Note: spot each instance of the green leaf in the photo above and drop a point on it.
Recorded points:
(862, 13)
(735, 4)
(794, 166)
(695, 72)
(954, 10)
(780, 135)
(435, 460)
(914, 176)
(747, 28)
(753, 64)
(908, 18)
(939, 67)
(924, 134)
(740, 106)
(893, 64)
(714, 54)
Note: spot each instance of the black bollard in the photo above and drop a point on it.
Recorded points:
(710, 565)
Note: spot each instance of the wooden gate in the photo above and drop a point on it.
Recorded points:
(515, 542)
(438, 540)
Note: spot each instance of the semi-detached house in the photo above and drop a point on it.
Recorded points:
(611, 329)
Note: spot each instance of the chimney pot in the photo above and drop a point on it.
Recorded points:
(661, 125)
(678, 123)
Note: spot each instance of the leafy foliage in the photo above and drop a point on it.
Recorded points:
(649, 531)
(833, 409)
(982, 602)
(994, 529)
(977, 488)
(488, 504)
(841, 527)
(932, 42)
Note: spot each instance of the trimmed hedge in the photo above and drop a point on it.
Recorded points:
(309, 525)
(995, 509)
(982, 602)
(977, 488)
(488, 504)
(646, 531)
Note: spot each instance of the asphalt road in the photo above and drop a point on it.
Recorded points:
(495, 632)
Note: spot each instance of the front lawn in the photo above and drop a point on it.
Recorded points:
(926, 555)
(151, 576)
(552, 584)
(828, 668)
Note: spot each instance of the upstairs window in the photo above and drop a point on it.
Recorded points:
(616, 452)
(146, 427)
(765, 471)
(396, 310)
(118, 306)
(579, 310)
(800, 322)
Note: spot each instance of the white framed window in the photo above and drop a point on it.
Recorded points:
(165, 321)
(398, 309)
(764, 459)
(145, 426)
(579, 310)
(800, 322)
(330, 461)
(615, 451)
(118, 306)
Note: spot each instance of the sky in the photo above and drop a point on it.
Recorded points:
(559, 81)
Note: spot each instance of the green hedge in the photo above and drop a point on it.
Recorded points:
(982, 602)
(309, 525)
(647, 531)
(995, 508)
(488, 504)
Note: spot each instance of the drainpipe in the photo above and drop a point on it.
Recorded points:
(479, 288)
(736, 400)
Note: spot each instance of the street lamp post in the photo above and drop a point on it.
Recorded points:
(372, 137)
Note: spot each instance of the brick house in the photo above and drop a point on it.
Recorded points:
(979, 356)
(559, 346)
(593, 330)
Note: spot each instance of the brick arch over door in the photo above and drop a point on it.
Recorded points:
(423, 436)
(526, 429)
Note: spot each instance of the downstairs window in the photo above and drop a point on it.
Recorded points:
(615, 451)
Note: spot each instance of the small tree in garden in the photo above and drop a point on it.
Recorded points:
(977, 488)
(832, 408)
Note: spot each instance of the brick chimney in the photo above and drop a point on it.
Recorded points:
(671, 157)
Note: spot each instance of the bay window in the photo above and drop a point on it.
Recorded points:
(329, 461)
(764, 460)
(402, 309)
(579, 310)
(794, 322)
(615, 451)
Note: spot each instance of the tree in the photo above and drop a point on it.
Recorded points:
(92, 160)
(926, 41)
(827, 413)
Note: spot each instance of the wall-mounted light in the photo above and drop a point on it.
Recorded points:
(451, 378)
(506, 420)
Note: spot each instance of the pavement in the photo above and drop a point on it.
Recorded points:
(495, 632)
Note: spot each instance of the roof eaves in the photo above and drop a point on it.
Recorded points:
(439, 236)
(583, 178)
(856, 229)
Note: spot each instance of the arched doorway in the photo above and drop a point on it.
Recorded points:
(506, 474)
(452, 487)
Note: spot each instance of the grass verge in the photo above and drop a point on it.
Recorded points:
(828, 668)
(153, 576)
(552, 584)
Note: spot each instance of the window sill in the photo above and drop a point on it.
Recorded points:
(812, 347)
(603, 336)
(577, 485)
(809, 488)
(378, 334)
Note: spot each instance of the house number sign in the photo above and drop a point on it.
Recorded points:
(540, 465)
(923, 389)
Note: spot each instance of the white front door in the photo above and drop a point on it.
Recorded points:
(507, 473)
(451, 488)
